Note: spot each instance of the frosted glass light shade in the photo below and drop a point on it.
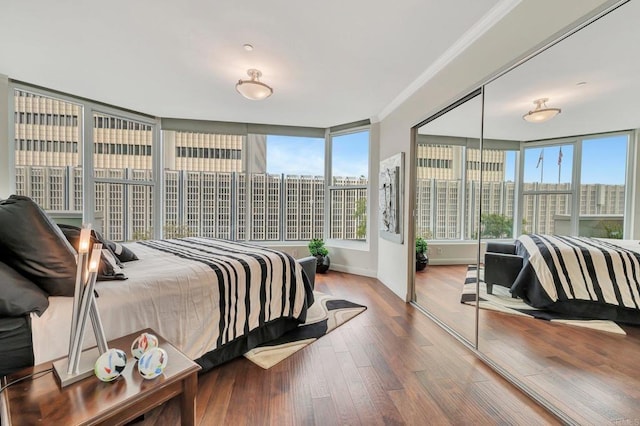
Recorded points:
(541, 113)
(254, 89)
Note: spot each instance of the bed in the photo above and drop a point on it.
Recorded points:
(213, 299)
(584, 277)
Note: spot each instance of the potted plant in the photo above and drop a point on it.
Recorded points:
(421, 254)
(317, 249)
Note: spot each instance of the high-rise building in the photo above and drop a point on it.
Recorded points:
(216, 185)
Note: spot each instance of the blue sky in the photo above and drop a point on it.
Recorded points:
(305, 156)
(603, 161)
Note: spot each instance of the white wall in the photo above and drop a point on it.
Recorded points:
(527, 26)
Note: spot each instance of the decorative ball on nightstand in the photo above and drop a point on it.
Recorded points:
(143, 343)
(152, 363)
(110, 365)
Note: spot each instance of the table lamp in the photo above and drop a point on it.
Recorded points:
(79, 364)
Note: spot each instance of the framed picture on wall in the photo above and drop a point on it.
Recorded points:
(390, 197)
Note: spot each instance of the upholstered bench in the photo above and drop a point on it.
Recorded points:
(501, 265)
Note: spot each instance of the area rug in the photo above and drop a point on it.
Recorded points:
(326, 314)
(502, 301)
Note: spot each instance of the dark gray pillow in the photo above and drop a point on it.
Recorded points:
(32, 244)
(124, 254)
(18, 295)
(110, 268)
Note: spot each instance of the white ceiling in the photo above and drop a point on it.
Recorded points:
(329, 62)
(604, 55)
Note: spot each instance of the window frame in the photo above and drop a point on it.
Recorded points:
(86, 147)
(156, 182)
(329, 187)
(576, 184)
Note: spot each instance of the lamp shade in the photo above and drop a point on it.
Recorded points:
(85, 238)
(254, 89)
(541, 113)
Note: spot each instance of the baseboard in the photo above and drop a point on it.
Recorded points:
(353, 270)
(452, 261)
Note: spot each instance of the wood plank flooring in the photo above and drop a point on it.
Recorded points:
(390, 365)
(590, 375)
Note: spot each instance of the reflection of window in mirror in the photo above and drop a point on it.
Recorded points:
(437, 188)
(548, 187)
(603, 186)
(498, 192)
(448, 188)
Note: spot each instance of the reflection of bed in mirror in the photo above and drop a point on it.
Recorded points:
(582, 277)
(585, 375)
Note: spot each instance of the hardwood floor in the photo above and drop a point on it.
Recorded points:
(390, 365)
(438, 291)
(590, 375)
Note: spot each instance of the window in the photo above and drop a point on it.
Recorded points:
(295, 167)
(123, 181)
(52, 177)
(547, 188)
(603, 186)
(437, 191)
(254, 187)
(591, 202)
(202, 186)
(348, 186)
(257, 188)
(498, 192)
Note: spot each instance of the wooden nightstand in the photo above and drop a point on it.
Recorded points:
(91, 402)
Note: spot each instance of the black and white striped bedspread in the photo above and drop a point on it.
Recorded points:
(582, 269)
(256, 284)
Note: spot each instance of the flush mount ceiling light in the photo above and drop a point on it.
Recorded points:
(541, 113)
(254, 89)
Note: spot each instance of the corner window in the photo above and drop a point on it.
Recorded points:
(348, 186)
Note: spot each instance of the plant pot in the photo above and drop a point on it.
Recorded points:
(421, 261)
(322, 265)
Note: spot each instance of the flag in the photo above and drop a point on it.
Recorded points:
(540, 158)
(560, 157)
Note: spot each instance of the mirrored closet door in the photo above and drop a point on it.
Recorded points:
(569, 175)
(446, 213)
(573, 173)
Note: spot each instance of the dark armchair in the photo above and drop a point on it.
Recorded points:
(309, 267)
(501, 265)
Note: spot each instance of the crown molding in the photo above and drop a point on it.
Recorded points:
(498, 12)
